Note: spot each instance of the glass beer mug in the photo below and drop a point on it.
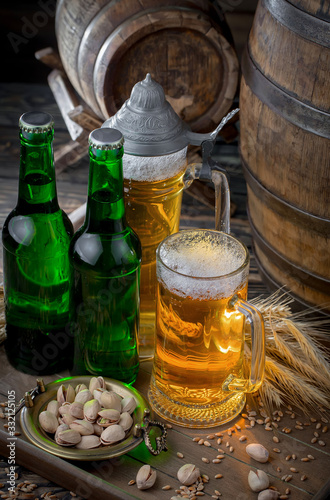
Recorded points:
(155, 174)
(198, 377)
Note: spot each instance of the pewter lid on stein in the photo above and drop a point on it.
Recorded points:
(150, 125)
(148, 122)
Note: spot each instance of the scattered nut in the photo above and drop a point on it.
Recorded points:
(145, 477)
(257, 452)
(258, 480)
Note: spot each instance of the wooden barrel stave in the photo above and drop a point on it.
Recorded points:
(304, 295)
(280, 155)
(279, 64)
(285, 132)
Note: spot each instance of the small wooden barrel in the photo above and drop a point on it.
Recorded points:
(285, 148)
(108, 46)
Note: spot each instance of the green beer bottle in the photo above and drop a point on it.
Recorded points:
(37, 273)
(106, 254)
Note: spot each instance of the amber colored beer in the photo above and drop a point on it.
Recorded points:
(199, 336)
(199, 342)
(153, 211)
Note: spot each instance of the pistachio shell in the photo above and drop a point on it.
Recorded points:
(96, 383)
(112, 434)
(61, 394)
(98, 429)
(268, 495)
(111, 400)
(257, 452)
(60, 428)
(53, 407)
(70, 394)
(83, 427)
(48, 421)
(126, 421)
(88, 442)
(108, 417)
(83, 396)
(91, 410)
(188, 474)
(258, 480)
(80, 387)
(69, 437)
(64, 394)
(77, 410)
(67, 419)
(128, 404)
(97, 394)
(145, 477)
(64, 408)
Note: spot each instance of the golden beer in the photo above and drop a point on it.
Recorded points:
(153, 206)
(199, 343)
(199, 334)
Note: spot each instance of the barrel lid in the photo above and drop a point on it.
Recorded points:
(148, 122)
(36, 122)
(106, 138)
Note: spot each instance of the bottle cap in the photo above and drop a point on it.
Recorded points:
(106, 138)
(36, 122)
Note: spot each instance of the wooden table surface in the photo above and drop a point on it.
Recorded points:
(110, 478)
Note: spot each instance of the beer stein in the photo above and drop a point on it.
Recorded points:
(155, 173)
(198, 377)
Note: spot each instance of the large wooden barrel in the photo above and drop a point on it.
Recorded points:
(285, 147)
(108, 46)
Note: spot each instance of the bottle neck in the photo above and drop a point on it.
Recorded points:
(37, 185)
(105, 205)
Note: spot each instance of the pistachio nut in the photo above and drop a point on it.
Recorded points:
(112, 434)
(257, 452)
(96, 383)
(60, 428)
(64, 408)
(258, 480)
(69, 437)
(111, 400)
(61, 394)
(83, 396)
(64, 394)
(67, 419)
(53, 407)
(268, 495)
(91, 410)
(83, 427)
(97, 394)
(88, 442)
(98, 429)
(145, 477)
(80, 387)
(125, 421)
(188, 474)
(77, 410)
(128, 404)
(48, 421)
(108, 417)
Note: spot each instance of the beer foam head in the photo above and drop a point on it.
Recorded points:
(202, 264)
(154, 168)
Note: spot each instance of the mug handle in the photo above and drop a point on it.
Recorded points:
(254, 317)
(222, 193)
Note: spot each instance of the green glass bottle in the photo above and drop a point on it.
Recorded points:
(106, 255)
(37, 274)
